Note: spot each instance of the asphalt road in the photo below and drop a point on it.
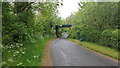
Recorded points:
(67, 53)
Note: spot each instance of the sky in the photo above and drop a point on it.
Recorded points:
(69, 6)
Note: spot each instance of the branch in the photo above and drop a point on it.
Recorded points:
(25, 6)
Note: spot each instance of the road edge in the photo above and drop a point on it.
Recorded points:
(47, 58)
(115, 60)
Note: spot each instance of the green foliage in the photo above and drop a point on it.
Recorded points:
(96, 22)
(110, 37)
(29, 55)
(25, 25)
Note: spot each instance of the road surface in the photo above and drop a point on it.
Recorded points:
(67, 53)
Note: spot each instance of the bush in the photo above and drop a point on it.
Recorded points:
(109, 38)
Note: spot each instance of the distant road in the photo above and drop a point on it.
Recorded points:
(67, 53)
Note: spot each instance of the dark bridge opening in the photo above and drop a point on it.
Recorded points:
(61, 26)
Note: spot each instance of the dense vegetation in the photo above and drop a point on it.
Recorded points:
(96, 22)
(25, 28)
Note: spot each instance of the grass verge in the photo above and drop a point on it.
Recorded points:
(29, 55)
(100, 49)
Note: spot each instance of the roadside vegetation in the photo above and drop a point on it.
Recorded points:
(96, 26)
(24, 55)
(96, 22)
(26, 28)
(113, 53)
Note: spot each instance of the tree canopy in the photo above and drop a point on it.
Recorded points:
(96, 22)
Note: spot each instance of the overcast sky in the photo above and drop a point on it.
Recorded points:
(69, 6)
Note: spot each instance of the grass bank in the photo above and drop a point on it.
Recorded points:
(100, 49)
(30, 54)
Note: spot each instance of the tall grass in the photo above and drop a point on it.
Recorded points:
(31, 54)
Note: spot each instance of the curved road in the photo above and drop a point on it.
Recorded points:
(66, 53)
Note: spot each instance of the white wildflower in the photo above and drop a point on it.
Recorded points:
(23, 52)
(24, 48)
(14, 55)
(21, 44)
(1, 46)
(17, 51)
(41, 36)
(16, 43)
(10, 47)
(4, 63)
(19, 64)
(35, 56)
(10, 60)
(28, 60)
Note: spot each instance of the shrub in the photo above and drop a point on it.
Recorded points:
(109, 38)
